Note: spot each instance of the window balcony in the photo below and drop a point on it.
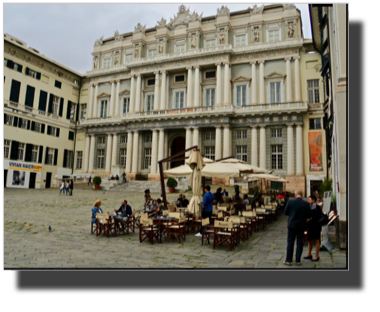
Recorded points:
(276, 108)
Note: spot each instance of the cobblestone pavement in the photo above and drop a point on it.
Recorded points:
(29, 244)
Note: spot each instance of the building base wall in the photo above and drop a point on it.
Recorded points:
(131, 176)
(342, 235)
(296, 183)
(153, 177)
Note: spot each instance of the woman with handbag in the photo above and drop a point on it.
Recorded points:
(314, 229)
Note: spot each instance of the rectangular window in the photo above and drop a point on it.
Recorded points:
(241, 95)
(151, 53)
(15, 91)
(211, 74)
(9, 120)
(210, 97)
(24, 123)
(83, 109)
(210, 152)
(209, 136)
(34, 153)
(148, 138)
(275, 92)
(241, 152)
(103, 109)
(69, 157)
(313, 90)
(150, 82)
(72, 111)
(20, 154)
(315, 123)
(241, 134)
(71, 135)
(126, 102)
(58, 84)
(101, 159)
(210, 43)
(50, 156)
(37, 127)
(179, 99)
(179, 78)
(274, 35)
(123, 139)
(51, 130)
(180, 47)
(276, 156)
(148, 158)
(79, 160)
(123, 156)
(29, 98)
(149, 103)
(32, 73)
(276, 133)
(107, 63)
(127, 57)
(101, 140)
(7, 146)
(55, 105)
(240, 40)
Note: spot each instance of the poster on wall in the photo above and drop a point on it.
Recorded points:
(315, 151)
(19, 174)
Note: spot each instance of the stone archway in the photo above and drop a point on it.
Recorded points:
(177, 144)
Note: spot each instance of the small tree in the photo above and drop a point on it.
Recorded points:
(97, 180)
(171, 183)
(326, 186)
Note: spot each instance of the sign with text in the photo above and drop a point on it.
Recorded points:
(315, 150)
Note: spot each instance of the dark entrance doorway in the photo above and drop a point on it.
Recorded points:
(177, 146)
(48, 180)
(5, 177)
(32, 180)
(314, 187)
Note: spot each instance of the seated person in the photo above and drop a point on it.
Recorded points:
(185, 201)
(238, 202)
(179, 203)
(225, 193)
(180, 199)
(125, 211)
(154, 209)
(245, 202)
(117, 177)
(96, 209)
(147, 198)
(218, 197)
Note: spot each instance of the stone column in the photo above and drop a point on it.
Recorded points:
(196, 86)
(95, 111)
(253, 83)
(290, 150)
(218, 142)
(299, 147)
(262, 83)
(108, 155)
(196, 136)
(138, 94)
(189, 87)
(227, 84)
(128, 163)
(132, 96)
(157, 91)
(114, 149)
(90, 102)
(254, 146)
(161, 147)
(163, 90)
(288, 80)
(218, 84)
(117, 99)
(92, 152)
(226, 142)
(112, 99)
(188, 141)
(297, 79)
(86, 153)
(153, 168)
(263, 148)
(135, 151)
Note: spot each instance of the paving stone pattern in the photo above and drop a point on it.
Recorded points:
(29, 244)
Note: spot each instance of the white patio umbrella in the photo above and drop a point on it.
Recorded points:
(196, 164)
(243, 166)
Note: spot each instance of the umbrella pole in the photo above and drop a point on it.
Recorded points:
(162, 184)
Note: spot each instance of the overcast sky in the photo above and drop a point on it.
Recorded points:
(66, 33)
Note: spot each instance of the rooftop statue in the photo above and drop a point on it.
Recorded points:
(140, 28)
(223, 11)
(161, 23)
(99, 41)
(256, 9)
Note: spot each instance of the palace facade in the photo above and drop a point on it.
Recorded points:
(244, 84)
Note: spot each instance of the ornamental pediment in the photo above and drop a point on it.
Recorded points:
(103, 94)
(125, 92)
(275, 75)
(241, 78)
(183, 18)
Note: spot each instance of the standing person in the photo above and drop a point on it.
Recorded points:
(71, 186)
(62, 188)
(314, 229)
(298, 211)
(320, 202)
(218, 196)
(124, 179)
(67, 186)
(245, 202)
(89, 180)
(207, 206)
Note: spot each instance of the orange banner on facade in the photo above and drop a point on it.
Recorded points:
(315, 151)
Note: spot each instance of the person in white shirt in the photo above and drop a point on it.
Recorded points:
(62, 187)
(320, 202)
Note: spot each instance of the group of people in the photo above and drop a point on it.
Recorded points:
(67, 187)
(303, 215)
(182, 201)
(125, 210)
(154, 207)
(114, 178)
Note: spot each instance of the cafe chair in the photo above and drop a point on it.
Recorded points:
(176, 227)
(147, 230)
(104, 225)
(196, 223)
(207, 232)
(224, 234)
(260, 212)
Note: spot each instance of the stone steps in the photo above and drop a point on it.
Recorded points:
(153, 186)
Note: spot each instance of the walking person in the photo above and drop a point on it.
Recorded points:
(89, 181)
(67, 186)
(298, 211)
(313, 229)
(207, 206)
(124, 179)
(71, 187)
(62, 188)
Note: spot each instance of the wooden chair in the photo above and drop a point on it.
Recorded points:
(104, 225)
(250, 220)
(268, 213)
(148, 230)
(224, 234)
(207, 232)
(93, 225)
(177, 227)
(196, 223)
(261, 217)
(172, 208)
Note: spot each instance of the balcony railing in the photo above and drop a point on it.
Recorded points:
(272, 108)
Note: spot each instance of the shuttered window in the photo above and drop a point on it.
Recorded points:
(42, 102)
(29, 98)
(58, 84)
(71, 135)
(15, 91)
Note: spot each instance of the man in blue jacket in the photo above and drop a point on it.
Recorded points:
(208, 199)
(298, 211)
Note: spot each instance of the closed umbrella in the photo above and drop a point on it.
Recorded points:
(196, 163)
